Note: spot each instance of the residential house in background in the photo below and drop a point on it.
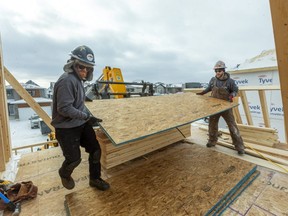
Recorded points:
(174, 88)
(19, 109)
(159, 88)
(162, 88)
(50, 90)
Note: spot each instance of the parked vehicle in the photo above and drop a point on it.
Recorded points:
(192, 85)
(34, 121)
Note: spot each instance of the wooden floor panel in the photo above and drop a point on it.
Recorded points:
(189, 181)
(224, 203)
(267, 195)
(42, 169)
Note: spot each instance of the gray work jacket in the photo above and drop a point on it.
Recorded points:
(227, 83)
(68, 102)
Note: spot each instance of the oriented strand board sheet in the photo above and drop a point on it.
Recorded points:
(221, 206)
(267, 195)
(115, 155)
(130, 119)
(42, 169)
(189, 181)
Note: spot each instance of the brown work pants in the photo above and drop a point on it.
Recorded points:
(234, 131)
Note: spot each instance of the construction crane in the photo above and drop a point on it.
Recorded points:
(111, 84)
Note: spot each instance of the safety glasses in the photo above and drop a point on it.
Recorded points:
(218, 70)
(82, 67)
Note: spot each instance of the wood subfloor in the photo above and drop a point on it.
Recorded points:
(189, 180)
(267, 195)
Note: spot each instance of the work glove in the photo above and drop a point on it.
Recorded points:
(231, 98)
(93, 121)
(200, 93)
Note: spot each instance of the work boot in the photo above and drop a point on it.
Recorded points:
(240, 149)
(99, 183)
(68, 183)
(209, 144)
(241, 152)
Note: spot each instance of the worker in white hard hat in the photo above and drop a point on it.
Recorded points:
(225, 88)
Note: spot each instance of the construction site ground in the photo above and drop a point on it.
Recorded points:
(180, 166)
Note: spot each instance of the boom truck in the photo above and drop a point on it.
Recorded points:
(111, 85)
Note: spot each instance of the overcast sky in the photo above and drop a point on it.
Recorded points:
(170, 41)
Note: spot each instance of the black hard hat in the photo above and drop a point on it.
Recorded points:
(83, 54)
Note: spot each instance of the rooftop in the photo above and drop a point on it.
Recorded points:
(266, 58)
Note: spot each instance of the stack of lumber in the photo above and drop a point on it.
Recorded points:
(259, 141)
(275, 155)
(114, 155)
(260, 135)
(257, 135)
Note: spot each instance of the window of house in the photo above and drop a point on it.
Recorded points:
(31, 92)
(11, 109)
(9, 93)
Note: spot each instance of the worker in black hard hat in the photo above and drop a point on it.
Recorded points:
(72, 121)
(225, 88)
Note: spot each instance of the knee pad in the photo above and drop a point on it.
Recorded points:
(66, 170)
(73, 165)
(96, 156)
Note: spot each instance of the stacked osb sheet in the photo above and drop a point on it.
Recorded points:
(190, 181)
(131, 119)
(115, 155)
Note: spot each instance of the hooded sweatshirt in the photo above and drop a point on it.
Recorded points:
(68, 99)
(229, 84)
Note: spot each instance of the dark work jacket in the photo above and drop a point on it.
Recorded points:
(68, 102)
(227, 83)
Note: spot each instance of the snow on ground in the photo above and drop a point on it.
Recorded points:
(23, 135)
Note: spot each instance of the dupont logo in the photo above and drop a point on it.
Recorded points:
(256, 109)
(263, 80)
(276, 111)
(242, 82)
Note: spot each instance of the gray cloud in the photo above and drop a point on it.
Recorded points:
(167, 41)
